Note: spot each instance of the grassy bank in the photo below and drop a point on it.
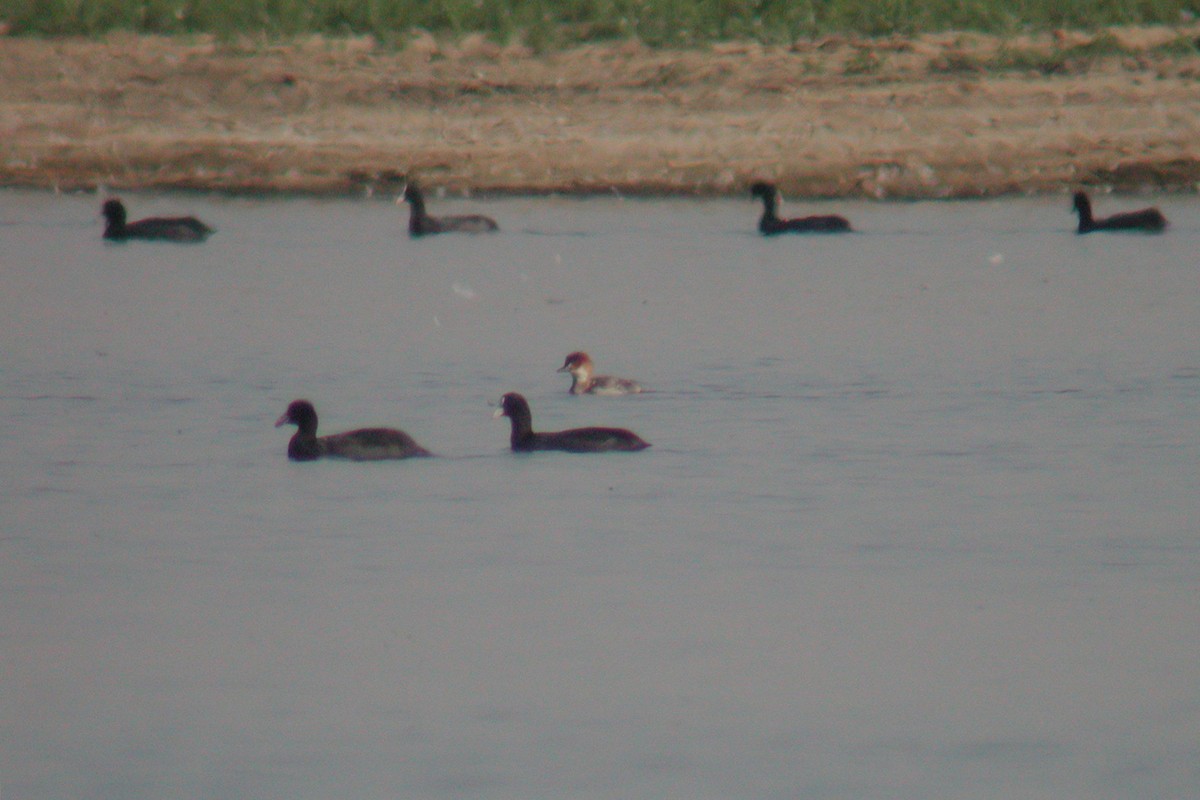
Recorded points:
(548, 24)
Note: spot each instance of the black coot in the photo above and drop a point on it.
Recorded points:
(576, 440)
(364, 444)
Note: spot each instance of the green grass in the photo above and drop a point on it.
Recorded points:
(556, 23)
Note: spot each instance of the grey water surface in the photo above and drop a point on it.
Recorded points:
(921, 518)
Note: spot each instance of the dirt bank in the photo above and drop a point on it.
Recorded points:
(939, 116)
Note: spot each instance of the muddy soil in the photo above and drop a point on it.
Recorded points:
(936, 116)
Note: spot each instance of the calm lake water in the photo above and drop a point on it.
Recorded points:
(921, 518)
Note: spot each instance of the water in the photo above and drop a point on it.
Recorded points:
(920, 517)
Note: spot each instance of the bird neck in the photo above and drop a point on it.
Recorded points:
(417, 218)
(770, 204)
(1084, 206)
(304, 446)
(522, 427)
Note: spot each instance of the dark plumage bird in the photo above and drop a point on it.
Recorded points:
(364, 444)
(770, 223)
(1148, 219)
(580, 365)
(576, 440)
(171, 229)
(421, 224)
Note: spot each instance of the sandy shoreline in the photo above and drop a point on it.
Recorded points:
(834, 118)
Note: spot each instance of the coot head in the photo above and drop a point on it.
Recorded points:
(411, 194)
(300, 413)
(513, 405)
(766, 191)
(114, 212)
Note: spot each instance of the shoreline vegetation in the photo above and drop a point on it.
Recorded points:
(947, 114)
(547, 25)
